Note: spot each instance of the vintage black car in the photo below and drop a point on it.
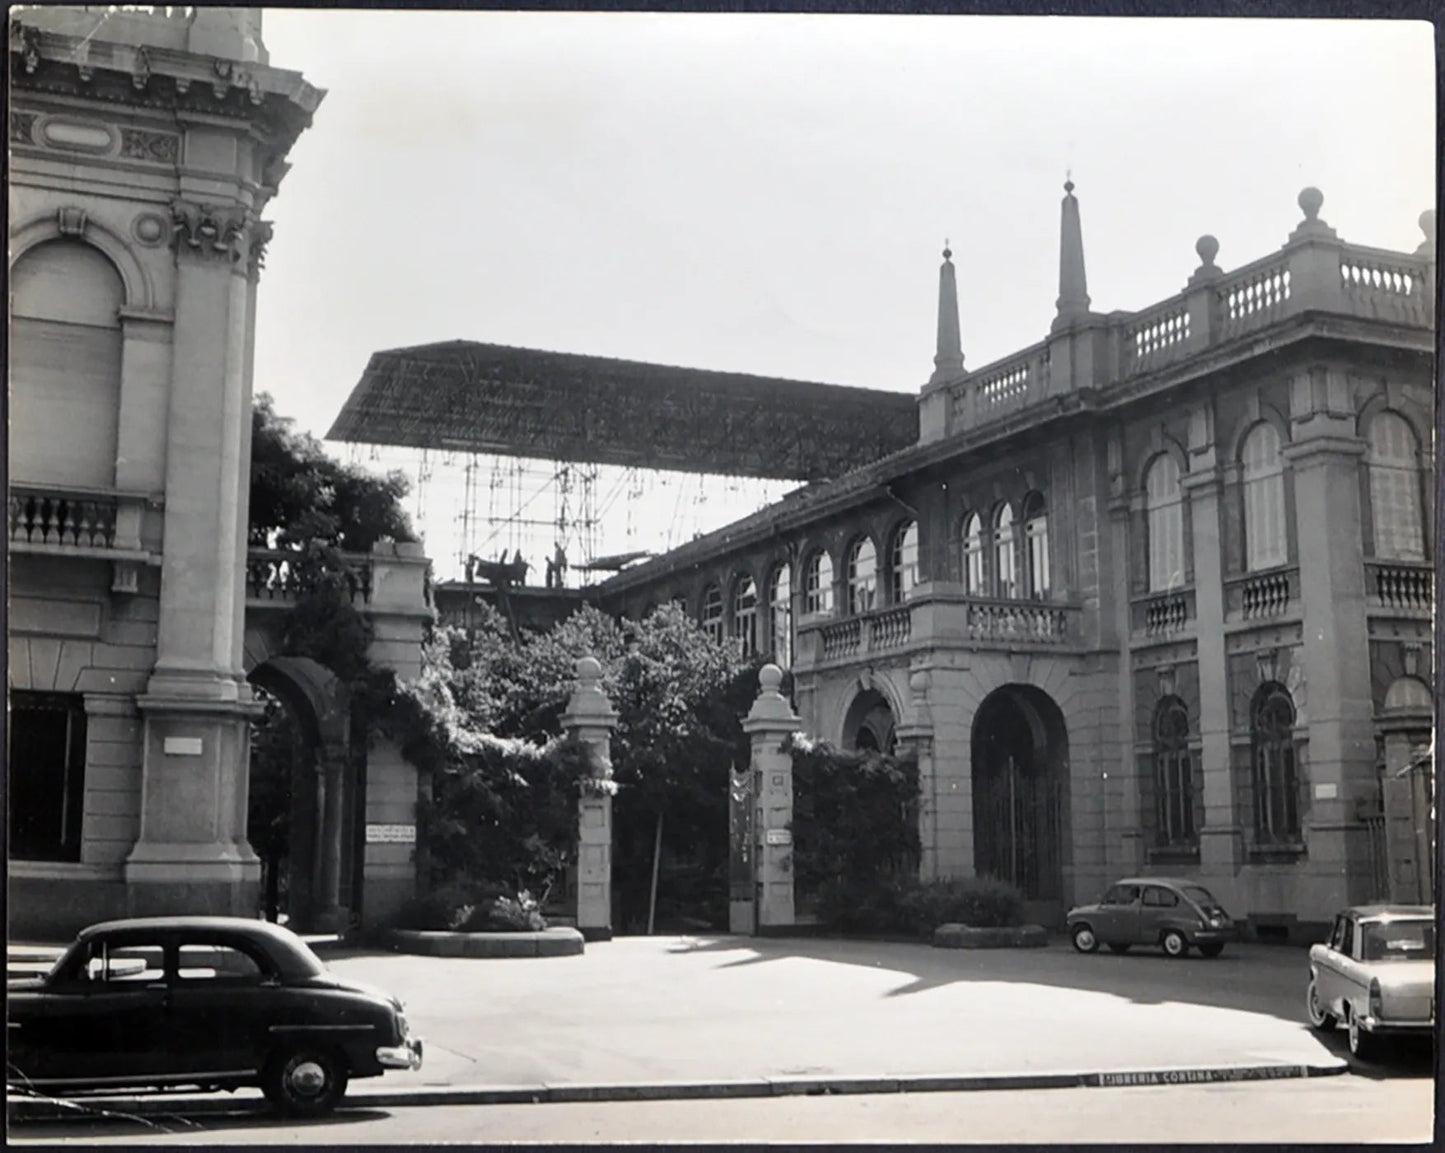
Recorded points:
(203, 1002)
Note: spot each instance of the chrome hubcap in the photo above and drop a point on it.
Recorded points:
(1084, 939)
(307, 1078)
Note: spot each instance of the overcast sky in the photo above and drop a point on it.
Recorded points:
(769, 193)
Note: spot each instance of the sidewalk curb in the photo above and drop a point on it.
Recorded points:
(26, 1109)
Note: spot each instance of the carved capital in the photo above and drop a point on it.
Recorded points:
(261, 233)
(210, 232)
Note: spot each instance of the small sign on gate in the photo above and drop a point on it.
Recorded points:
(780, 836)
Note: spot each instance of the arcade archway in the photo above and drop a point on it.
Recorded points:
(303, 803)
(1020, 780)
(869, 724)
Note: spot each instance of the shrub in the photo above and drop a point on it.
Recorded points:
(978, 902)
(459, 908)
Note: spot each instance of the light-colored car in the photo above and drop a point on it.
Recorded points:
(1376, 973)
(1169, 912)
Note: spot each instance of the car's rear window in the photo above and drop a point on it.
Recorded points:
(1201, 896)
(1398, 940)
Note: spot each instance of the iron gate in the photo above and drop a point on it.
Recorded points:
(1017, 824)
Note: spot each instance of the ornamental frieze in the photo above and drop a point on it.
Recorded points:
(22, 127)
(140, 144)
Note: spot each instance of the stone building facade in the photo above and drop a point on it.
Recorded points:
(144, 146)
(1152, 595)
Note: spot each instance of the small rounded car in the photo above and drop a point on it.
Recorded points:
(201, 1002)
(1176, 915)
(1376, 973)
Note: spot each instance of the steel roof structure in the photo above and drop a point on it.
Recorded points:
(522, 402)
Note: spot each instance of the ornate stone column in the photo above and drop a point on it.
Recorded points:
(768, 722)
(591, 718)
(192, 852)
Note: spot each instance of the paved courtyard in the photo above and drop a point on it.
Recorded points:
(722, 1008)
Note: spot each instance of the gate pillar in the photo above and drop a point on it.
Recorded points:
(768, 723)
(591, 718)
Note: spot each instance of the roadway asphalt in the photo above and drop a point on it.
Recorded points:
(728, 1016)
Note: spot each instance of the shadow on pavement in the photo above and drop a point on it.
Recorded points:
(1266, 979)
(1409, 1058)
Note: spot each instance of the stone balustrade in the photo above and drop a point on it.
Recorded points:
(937, 616)
(1261, 596)
(1164, 614)
(82, 522)
(1401, 585)
(284, 575)
(1316, 272)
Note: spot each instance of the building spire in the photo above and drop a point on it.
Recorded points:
(948, 362)
(1073, 302)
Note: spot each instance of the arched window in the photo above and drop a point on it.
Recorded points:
(973, 578)
(712, 612)
(1276, 773)
(818, 584)
(1164, 514)
(862, 575)
(65, 365)
(1264, 532)
(1173, 776)
(1036, 541)
(1393, 462)
(903, 562)
(1005, 573)
(745, 615)
(780, 604)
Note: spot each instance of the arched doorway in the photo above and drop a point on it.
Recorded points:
(303, 804)
(1020, 774)
(869, 725)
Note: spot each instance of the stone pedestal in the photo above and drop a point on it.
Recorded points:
(591, 718)
(768, 724)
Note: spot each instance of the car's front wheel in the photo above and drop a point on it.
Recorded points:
(1174, 943)
(1084, 939)
(1320, 1017)
(304, 1081)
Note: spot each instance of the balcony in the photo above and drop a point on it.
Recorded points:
(1403, 587)
(1163, 615)
(1262, 596)
(939, 616)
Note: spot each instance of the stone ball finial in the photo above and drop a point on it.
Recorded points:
(588, 669)
(1207, 248)
(1310, 200)
(770, 678)
(1427, 226)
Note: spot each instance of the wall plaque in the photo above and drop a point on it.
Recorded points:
(780, 836)
(183, 746)
(391, 834)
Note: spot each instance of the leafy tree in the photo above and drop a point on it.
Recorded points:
(300, 496)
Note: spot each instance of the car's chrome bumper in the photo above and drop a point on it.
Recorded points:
(407, 1055)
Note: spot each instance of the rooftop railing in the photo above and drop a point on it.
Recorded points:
(1314, 272)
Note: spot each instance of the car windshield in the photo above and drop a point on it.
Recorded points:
(1398, 940)
(1200, 896)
